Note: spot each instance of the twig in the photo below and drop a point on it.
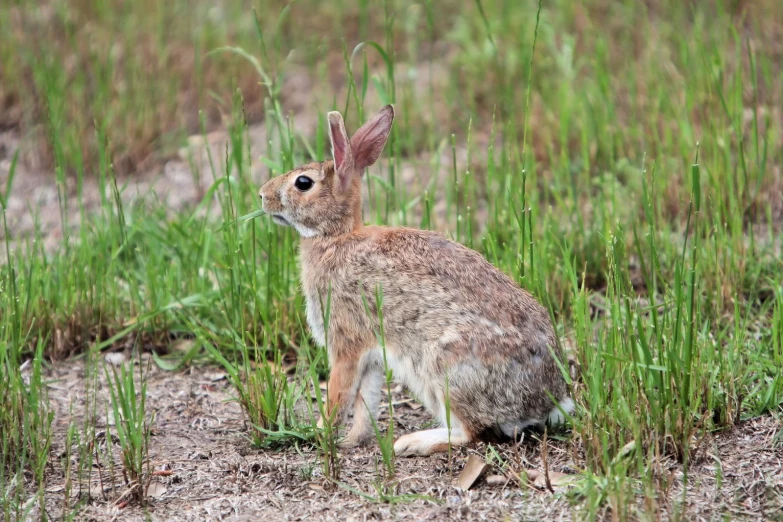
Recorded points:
(546, 463)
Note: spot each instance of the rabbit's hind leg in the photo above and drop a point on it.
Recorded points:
(427, 442)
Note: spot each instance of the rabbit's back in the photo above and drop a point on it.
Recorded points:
(428, 284)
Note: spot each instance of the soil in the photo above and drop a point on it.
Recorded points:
(206, 468)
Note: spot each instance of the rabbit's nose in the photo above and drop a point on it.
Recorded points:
(260, 194)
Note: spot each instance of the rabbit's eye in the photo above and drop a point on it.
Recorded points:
(303, 183)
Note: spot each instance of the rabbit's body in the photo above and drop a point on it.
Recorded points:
(450, 319)
(456, 331)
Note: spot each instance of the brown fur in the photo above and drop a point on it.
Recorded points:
(452, 322)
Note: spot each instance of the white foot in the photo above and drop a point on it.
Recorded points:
(428, 442)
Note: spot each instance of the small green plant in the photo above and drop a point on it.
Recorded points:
(26, 427)
(306, 472)
(76, 461)
(265, 394)
(772, 398)
(328, 432)
(132, 427)
(447, 408)
(71, 439)
(269, 402)
(327, 435)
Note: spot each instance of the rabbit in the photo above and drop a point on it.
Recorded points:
(457, 331)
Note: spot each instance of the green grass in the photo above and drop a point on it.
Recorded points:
(26, 423)
(644, 208)
(132, 426)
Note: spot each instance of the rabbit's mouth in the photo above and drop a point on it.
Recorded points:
(280, 220)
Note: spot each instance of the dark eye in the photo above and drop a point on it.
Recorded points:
(304, 183)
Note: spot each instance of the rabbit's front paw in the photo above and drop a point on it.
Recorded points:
(356, 438)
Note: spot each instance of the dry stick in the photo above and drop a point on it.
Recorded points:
(522, 463)
(100, 475)
(546, 464)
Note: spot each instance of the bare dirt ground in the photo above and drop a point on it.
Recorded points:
(214, 473)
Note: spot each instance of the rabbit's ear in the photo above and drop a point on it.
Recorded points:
(341, 148)
(367, 143)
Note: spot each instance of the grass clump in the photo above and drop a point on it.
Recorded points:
(26, 427)
(133, 427)
(268, 399)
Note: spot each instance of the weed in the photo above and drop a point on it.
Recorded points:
(132, 427)
(26, 425)
(267, 398)
(328, 423)
(386, 492)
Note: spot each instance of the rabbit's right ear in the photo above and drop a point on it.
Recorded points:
(341, 149)
(367, 144)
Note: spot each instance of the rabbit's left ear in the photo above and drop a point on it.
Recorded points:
(368, 142)
(341, 149)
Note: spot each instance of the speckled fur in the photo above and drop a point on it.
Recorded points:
(451, 319)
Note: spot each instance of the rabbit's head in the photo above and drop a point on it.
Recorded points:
(324, 199)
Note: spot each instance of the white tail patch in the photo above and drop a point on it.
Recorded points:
(556, 415)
